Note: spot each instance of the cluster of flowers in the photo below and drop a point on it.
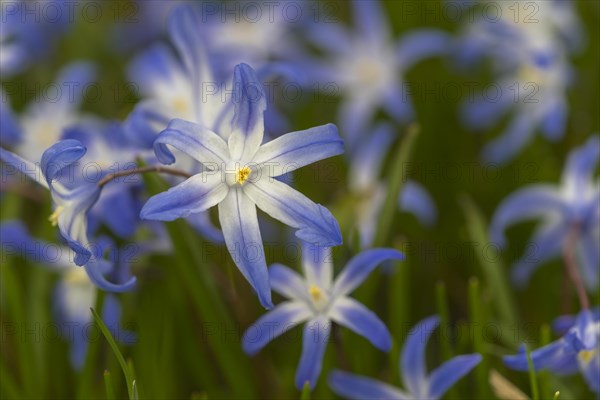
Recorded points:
(218, 156)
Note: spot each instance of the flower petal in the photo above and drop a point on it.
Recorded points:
(297, 149)
(360, 266)
(589, 256)
(202, 224)
(59, 156)
(351, 386)
(239, 223)
(33, 171)
(552, 356)
(314, 223)
(287, 282)
(197, 141)
(446, 375)
(94, 270)
(416, 200)
(274, 323)
(314, 342)
(412, 358)
(250, 103)
(370, 19)
(420, 44)
(317, 263)
(529, 202)
(516, 136)
(580, 166)
(194, 195)
(358, 318)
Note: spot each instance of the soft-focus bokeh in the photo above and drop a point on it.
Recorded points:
(418, 145)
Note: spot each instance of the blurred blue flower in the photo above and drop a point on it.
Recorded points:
(529, 54)
(71, 204)
(74, 293)
(366, 184)
(418, 383)
(577, 350)
(366, 66)
(28, 31)
(240, 174)
(318, 299)
(571, 208)
(44, 120)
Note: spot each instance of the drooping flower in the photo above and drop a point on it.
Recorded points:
(318, 299)
(366, 66)
(240, 174)
(74, 293)
(71, 205)
(577, 350)
(529, 52)
(570, 210)
(418, 384)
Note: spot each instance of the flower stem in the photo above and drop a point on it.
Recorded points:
(571, 267)
(143, 170)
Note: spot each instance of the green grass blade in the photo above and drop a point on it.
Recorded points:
(305, 392)
(108, 385)
(535, 391)
(477, 319)
(113, 345)
(493, 271)
(395, 182)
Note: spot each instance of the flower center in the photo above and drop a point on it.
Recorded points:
(242, 175)
(587, 355)
(54, 216)
(316, 293)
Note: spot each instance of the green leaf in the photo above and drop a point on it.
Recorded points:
(305, 392)
(108, 385)
(113, 345)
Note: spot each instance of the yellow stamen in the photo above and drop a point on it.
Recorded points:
(242, 175)
(587, 355)
(315, 292)
(54, 216)
(181, 105)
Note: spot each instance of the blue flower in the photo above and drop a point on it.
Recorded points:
(71, 204)
(418, 383)
(533, 73)
(577, 350)
(239, 174)
(318, 299)
(74, 293)
(370, 191)
(366, 66)
(44, 121)
(572, 208)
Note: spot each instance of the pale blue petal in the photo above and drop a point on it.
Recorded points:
(239, 223)
(356, 387)
(287, 282)
(145, 122)
(589, 257)
(74, 78)
(273, 324)
(555, 119)
(194, 195)
(583, 336)
(553, 356)
(445, 376)
(250, 102)
(546, 243)
(370, 20)
(120, 212)
(198, 142)
(415, 199)
(317, 263)
(397, 102)
(368, 157)
(297, 149)
(581, 164)
(153, 68)
(482, 113)
(420, 44)
(314, 342)
(95, 269)
(530, 202)
(28, 168)
(10, 130)
(591, 371)
(412, 358)
(360, 266)
(359, 319)
(314, 223)
(332, 38)
(516, 136)
(354, 115)
(59, 156)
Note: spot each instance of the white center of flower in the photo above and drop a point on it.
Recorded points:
(368, 71)
(319, 297)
